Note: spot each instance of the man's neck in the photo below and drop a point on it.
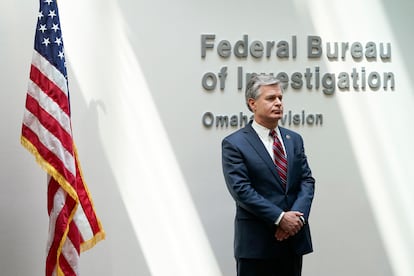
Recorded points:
(268, 125)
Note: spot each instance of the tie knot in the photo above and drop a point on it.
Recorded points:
(272, 133)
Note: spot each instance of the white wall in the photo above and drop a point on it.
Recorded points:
(154, 170)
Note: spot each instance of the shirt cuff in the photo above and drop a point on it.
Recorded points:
(279, 218)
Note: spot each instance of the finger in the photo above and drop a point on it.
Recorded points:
(298, 214)
(283, 237)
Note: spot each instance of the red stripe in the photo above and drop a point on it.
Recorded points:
(281, 164)
(50, 123)
(86, 202)
(280, 158)
(282, 174)
(281, 167)
(50, 88)
(47, 155)
(74, 236)
(65, 266)
(60, 227)
(52, 254)
(52, 188)
(279, 151)
(281, 171)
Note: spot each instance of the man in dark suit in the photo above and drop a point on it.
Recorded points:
(267, 174)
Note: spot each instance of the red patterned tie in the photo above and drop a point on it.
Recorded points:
(280, 158)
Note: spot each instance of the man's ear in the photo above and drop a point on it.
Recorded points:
(252, 104)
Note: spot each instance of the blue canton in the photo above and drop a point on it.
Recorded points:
(48, 38)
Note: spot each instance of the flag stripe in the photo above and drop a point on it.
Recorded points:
(50, 88)
(72, 242)
(83, 224)
(49, 122)
(52, 188)
(65, 264)
(50, 106)
(49, 141)
(51, 157)
(44, 66)
(61, 231)
(60, 215)
(59, 199)
(86, 205)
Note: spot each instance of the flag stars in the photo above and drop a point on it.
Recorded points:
(58, 41)
(46, 41)
(42, 28)
(49, 41)
(61, 55)
(52, 14)
(55, 27)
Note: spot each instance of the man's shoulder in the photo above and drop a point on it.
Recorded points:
(239, 133)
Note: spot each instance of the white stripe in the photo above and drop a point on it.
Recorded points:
(71, 255)
(59, 200)
(50, 106)
(50, 71)
(50, 141)
(82, 223)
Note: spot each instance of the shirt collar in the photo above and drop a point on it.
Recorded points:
(262, 131)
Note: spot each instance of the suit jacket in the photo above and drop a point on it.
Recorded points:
(252, 179)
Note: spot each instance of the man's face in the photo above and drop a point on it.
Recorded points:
(268, 107)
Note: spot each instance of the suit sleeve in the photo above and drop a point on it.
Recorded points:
(239, 184)
(307, 186)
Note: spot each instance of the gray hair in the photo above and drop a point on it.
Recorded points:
(257, 81)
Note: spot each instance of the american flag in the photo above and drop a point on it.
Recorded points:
(47, 134)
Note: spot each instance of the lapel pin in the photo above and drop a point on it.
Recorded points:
(287, 136)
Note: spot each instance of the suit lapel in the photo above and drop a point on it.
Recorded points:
(257, 144)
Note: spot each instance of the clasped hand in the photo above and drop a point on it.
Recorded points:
(289, 225)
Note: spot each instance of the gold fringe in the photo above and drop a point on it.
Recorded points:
(63, 183)
(49, 169)
(86, 245)
(72, 193)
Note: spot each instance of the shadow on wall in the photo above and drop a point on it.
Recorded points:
(120, 253)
